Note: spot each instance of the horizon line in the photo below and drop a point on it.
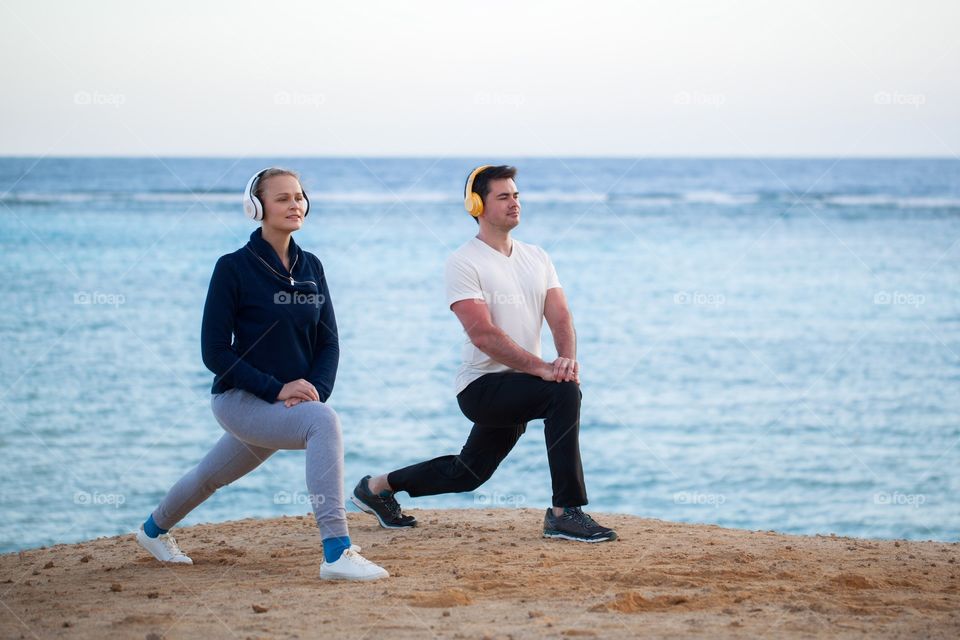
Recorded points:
(79, 156)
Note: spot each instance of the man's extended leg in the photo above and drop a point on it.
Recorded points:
(481, 455)
(474, 465)
(492, 401)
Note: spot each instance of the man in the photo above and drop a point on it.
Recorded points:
(501, 290)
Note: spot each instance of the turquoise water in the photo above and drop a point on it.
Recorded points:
(766, 344)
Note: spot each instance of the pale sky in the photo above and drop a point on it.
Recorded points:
(711, 78)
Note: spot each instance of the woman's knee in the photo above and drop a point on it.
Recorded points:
(321, 419)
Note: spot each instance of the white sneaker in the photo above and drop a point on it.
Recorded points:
(164, 548)
(351, 566)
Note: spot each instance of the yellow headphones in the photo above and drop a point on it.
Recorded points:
(472, 202)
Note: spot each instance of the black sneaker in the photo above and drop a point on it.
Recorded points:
(387, 510)
(574, 524)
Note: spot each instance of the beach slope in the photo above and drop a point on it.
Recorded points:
(486, 573)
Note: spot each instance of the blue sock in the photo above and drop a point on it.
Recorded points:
(386, 493)
(151, 529)
(333, 548)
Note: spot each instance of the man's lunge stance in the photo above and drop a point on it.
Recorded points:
(501, 290)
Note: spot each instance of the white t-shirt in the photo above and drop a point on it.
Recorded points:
(514, 288)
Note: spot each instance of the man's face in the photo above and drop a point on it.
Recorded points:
(501, 207)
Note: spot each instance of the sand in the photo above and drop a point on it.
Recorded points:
(477, 574)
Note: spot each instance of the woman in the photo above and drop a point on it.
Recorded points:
(270, 337)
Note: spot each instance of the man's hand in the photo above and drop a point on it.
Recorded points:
(298, 390)
(545, 371)
(566, 370)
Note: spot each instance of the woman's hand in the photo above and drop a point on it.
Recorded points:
(297, 391)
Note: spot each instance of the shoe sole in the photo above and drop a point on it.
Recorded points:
(566, 536)
(367, 509)
(353, 578)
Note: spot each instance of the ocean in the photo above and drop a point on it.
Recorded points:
(769, 344)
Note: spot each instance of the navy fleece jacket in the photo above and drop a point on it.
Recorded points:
(261, 329)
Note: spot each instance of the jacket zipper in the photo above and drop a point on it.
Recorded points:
(293, 282)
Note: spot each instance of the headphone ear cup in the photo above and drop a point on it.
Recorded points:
(252, 206)
(472, 201)
(474, 205)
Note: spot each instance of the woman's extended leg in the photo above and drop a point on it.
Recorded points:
(229, 460)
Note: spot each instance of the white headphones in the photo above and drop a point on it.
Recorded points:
(251, 203)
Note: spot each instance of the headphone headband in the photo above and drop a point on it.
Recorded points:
(472, 202)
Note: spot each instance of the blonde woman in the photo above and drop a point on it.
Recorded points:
(270, 337)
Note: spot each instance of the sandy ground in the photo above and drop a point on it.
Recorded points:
(476, 574)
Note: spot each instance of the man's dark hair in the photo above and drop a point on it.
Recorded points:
(481, 184)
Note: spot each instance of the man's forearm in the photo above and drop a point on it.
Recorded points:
(499, 346)
(565, 338)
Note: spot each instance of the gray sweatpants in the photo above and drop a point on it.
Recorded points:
(254, 430)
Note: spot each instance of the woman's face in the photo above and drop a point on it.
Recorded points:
(283, 203)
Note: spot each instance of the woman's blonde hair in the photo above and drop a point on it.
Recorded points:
(273, 173)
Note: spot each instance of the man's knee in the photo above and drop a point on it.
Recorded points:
(567, 392)
(473, 473)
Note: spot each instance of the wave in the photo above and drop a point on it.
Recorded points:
(889, 201)
(689, 198)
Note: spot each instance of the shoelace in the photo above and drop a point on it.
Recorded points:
(392, 505)
(352, 555)
(577, 514)
(168, 541)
